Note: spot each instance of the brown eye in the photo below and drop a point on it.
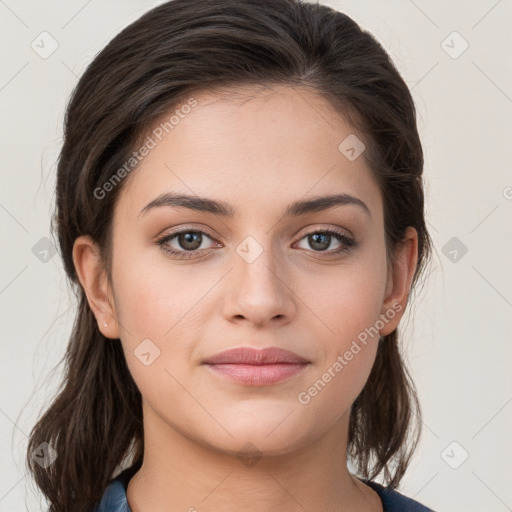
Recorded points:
(190, 240)
(321, 240)
(187, 243)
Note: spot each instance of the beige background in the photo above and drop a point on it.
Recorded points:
(459, 339)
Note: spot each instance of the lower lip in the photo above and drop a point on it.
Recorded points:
(257, 375)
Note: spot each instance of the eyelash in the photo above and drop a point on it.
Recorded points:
(339, 235)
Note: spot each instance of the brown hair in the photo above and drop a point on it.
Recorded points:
(182, 46)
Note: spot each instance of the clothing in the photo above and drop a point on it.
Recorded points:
(114, 497)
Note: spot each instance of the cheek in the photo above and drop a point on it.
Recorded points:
(347, 309)
(346, 299)
(157, 312)
(349, 347)
(162, 308)
(153, 297)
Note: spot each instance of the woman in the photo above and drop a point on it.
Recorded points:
(240, 207)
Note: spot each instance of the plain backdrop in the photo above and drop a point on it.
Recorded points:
(455, 57)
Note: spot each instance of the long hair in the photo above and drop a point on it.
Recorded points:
(94, 423)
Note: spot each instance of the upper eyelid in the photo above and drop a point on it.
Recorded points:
(204, 231)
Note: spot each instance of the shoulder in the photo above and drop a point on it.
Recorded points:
(114, 498)
(393, 501)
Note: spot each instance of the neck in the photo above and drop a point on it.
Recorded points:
(180, 473)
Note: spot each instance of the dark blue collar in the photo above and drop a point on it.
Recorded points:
(114, 497)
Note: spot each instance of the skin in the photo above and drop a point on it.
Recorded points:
(259, 152)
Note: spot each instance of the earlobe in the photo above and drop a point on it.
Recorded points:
(400, 281)
(92, 277)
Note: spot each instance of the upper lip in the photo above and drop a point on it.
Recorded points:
(249, 355)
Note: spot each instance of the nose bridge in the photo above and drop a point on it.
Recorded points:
(258, 263)
(258, 288)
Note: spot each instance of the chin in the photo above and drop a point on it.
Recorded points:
(262, 439)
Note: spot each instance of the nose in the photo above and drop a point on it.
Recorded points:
(259, 288)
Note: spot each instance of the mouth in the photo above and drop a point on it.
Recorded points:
(250, 355)
(253, 367)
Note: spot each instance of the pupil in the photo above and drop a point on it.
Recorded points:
(317, 240)
(191, 241)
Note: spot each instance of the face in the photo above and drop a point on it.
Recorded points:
(188, 283)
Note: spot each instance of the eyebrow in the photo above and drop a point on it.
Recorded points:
(224, 209)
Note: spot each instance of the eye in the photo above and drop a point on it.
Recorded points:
(320, 240)
(188, 243)
(187, 239)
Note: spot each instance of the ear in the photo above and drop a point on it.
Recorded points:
(93, 278)
(399, 280)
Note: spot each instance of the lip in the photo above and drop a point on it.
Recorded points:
(257, 374)
(255, 367)
(253, 356)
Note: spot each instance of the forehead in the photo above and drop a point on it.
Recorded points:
(252, 146)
